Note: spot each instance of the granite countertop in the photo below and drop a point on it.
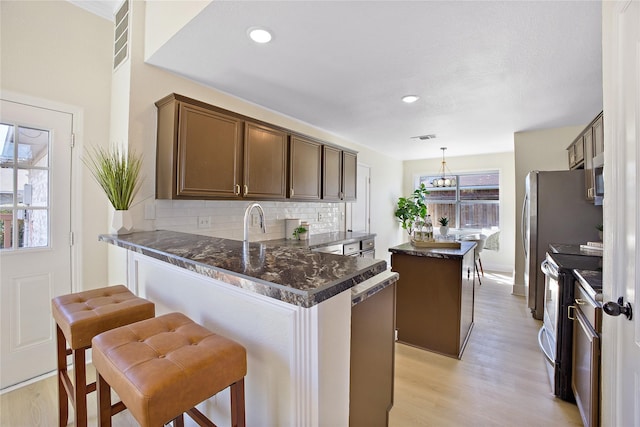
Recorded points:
(287, 272)
(319, 240)
(591, 282)
(409, 249)
(573, 249)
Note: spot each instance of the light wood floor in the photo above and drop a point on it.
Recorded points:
(500, 380)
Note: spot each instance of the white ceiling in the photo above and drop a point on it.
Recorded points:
(483, 70)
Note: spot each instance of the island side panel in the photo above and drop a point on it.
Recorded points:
(289, 379)
(429, 302)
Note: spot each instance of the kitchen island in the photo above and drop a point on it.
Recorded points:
(290, 307)
(435, 296)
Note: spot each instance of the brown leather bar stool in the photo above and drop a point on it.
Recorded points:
(79, 317)
(165, 366)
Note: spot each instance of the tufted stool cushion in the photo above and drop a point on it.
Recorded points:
(83, 315)
(162, 367)
(79, 317)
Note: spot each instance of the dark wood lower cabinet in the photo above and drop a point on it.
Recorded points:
(372, 359)
(435, 301)
(585, 378)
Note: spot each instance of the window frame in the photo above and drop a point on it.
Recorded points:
(457, 201)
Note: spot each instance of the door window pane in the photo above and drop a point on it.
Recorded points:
(33, 228)
(6, 228)
(24, 187)
(6, 187)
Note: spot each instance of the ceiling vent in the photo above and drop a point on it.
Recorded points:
(121, 39)
(424, 137)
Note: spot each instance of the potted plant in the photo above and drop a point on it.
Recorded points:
(444, 225)
(118, 174)
(411, 209)
(300, 233)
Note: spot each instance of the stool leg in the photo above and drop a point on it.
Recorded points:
(481, 269)
(104, 402)
(63, 399)
(178, 421)
(80, 389)
(237, 404)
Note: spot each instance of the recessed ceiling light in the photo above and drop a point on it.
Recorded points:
(409, 99)
(424, 137)
(259, 35)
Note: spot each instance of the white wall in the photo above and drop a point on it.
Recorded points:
(54, 51)
(543, 150)
(501, 260)
(148, 84)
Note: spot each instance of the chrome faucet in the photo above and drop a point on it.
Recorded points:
(263, 224)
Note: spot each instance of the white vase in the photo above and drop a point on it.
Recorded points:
(122, 222)
(444, 230)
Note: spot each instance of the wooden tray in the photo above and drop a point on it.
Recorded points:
(436, 244)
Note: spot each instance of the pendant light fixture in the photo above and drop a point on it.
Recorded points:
(443, 180)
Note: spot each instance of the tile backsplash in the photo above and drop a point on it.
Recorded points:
(225, 218)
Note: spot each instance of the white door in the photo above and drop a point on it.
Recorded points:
(358, 212)
(620, 336)
(35, 226)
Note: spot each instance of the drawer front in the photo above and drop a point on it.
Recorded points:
(368, 244)
(592, 312)
(351, 248)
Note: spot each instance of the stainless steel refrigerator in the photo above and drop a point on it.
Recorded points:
(554, 210)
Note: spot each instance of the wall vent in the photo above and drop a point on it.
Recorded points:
(121, 35)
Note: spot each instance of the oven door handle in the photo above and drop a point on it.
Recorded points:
(544, 350)
(548, 271)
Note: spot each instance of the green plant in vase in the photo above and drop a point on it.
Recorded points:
(411, 209)
(299, 232)
(118, 174)
(444, 225)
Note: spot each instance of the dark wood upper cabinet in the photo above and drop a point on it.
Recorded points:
(331, 173)
(206, 152)
(199, 153)
(598, 136)
(589, 144)
(339, 169)
(349, 176)
(305, 169)
(265, 162)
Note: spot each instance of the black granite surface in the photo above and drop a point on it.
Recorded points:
(591, 282)
(563, 248)
(370, 287)
(409, 249)
(324, 239)
(289, 273)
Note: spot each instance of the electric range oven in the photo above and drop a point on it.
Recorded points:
(555, 337)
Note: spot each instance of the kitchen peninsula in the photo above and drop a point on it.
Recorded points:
(289, 306)
(435, 296)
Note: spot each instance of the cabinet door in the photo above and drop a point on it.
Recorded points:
(331, 173)
(349, 176)
(586, 370)
(209, 154)
(588, 163)
(598, 136)
(305, 169)
(265, 161)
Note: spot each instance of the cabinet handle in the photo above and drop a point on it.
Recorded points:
(341, 195)
(237, 189)
(246, 189)
(580, 301)
(292, 192)
(572, 317)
